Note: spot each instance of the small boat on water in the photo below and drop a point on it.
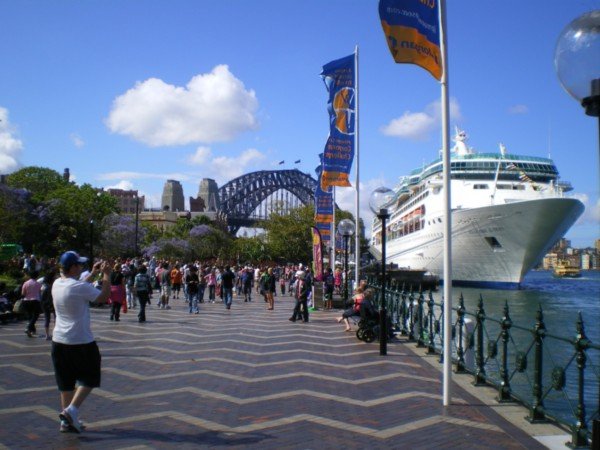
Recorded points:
(564, 270)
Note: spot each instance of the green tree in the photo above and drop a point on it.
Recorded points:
(40, 181)
(289, 236)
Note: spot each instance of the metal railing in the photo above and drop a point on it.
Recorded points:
(557, 378)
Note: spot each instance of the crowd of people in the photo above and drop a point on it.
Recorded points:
(136, 282)
(70, 286)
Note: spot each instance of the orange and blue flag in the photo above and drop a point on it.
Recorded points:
(340, 80)
(412, 31)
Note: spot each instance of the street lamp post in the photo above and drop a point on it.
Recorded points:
(380, 199)
(577, 64)
(137, 212)
(346, 229)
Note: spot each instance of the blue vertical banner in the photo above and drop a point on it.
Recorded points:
(340, 80)
(323, 206)
(323, 198)
(412, 32)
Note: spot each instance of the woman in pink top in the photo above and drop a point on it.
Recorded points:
(211, 282)
(30, 292)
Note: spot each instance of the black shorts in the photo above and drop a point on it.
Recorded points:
(76, 363)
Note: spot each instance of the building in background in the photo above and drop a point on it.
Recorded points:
(127, 200)
(172, 196)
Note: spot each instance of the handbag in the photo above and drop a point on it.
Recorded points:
(19, 307)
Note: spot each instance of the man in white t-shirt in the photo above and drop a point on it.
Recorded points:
(75, 355)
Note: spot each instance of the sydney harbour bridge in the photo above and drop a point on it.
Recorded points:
(249, 199)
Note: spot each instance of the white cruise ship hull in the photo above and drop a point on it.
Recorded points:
(492, 246)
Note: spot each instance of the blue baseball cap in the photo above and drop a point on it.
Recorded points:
(69, 258)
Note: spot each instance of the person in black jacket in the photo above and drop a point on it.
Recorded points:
(301, 295)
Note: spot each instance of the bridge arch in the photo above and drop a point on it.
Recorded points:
(241, 196)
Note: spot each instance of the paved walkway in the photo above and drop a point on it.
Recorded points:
(243, 378)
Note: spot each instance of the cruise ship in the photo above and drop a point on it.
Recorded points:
(507, 212)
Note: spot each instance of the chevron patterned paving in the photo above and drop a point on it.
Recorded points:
(243, 378)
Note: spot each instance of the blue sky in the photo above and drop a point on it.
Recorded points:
(128, 93)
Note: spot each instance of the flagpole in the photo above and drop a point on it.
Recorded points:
(357, 183)
(332, 239)
(447, 371)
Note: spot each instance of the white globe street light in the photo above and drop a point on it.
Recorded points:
(379, 201)
(577, 61)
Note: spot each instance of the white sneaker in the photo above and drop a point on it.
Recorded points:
(72, 419)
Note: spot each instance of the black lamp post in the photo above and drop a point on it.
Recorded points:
(577, 63)
(346, 229)
(137, 212)
(380, 199)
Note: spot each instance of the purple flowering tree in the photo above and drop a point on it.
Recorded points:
(168, 248)
(118, 235)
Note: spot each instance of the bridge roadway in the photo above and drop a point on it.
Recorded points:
(243, 378)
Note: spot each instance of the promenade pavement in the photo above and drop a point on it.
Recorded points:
(244, 378)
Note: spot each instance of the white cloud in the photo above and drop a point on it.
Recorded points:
(419, 125)
(123, 184)
(76, 140)
(223, 168)
(10, 146)
(592, 211)
(518, 109)
(346, 199)
(212, 107)
(201, 156)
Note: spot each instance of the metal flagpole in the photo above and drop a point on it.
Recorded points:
(332, 238)
(447, 210)
(357, 183)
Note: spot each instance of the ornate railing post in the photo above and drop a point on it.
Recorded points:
(536, 413)
(431, 306)
(460, 349)
(404, 311)
(421, 313)
(479, 358)
(579, 430)
(441, 319)
(504, 388)
(411, 314)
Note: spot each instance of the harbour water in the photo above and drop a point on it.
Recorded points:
(560, 298)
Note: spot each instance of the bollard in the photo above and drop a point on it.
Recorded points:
(536, 413)
(504, 387)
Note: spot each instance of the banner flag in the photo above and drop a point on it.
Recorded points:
(317, 254)
(297, 161)
(281, 162)
(340, 80)
(323, 198)
(325, 230)
(412, 31)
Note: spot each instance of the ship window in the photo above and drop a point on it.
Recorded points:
(493, 242)
(480, 186)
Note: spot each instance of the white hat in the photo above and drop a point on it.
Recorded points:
(300, 274)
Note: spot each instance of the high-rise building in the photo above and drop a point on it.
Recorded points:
(172, 196)
(209, 192)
